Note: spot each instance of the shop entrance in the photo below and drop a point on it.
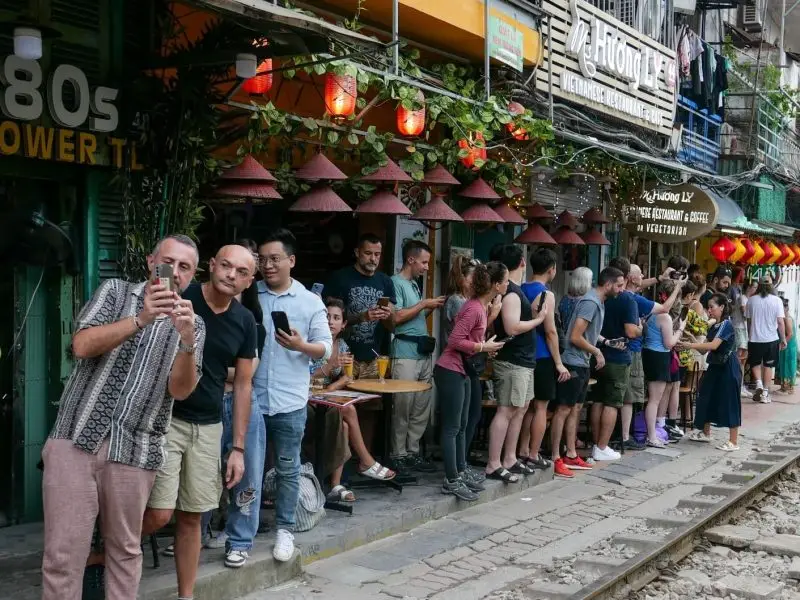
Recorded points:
(6, 384)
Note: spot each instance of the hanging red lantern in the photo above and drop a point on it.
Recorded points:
(518, 133)
(341, 92)
(411, 122)
(722, 249)
(738, 253)
(774, 253)
(749, 251)
(475, 152)
(766, 247)
(758, 254)
(262, 82)
(796, 249)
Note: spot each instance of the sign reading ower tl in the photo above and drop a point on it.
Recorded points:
(598, 44)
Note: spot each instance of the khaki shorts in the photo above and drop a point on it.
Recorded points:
(190, 479)
(513, 385)
(635, 392)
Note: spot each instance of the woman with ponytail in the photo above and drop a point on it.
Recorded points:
(719, 397)
(453, 373)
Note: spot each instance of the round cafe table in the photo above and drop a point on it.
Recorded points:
(387, 389)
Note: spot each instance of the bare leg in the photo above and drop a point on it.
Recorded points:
(350, 418)
(608, 420)
(512, 436)
(656, 392)
(336, 475)
(571, 429)
(755, 373)
(734, 436)
(627, 417)
(769, 372)
(187, 550)
(526, 434)
(538, 426)
(557, 429)
(497, 436)
(594, 418)
(674, 400)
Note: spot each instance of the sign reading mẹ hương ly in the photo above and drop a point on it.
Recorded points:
(670, 214)
(610, 67)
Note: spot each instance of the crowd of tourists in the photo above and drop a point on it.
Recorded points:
(182, 392)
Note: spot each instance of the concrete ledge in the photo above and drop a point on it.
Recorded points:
(215, 580)
(638, 541)
(700, 503)
(667, 521)
(740, 477)
(719, 489)
(757, 465)
(770, 456)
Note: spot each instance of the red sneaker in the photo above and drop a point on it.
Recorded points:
(561, 470)
(577, 464)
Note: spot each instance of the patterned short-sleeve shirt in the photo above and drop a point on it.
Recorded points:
(122, 395)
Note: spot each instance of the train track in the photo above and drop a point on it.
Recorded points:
(648, 565)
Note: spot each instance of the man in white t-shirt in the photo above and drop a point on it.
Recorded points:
(765, 316)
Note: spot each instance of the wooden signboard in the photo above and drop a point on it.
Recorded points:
(670, 214)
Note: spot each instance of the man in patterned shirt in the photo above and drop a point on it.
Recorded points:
(138, 346)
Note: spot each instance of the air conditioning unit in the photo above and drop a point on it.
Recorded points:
(751, 16)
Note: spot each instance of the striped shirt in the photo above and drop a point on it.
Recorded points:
(122, 395)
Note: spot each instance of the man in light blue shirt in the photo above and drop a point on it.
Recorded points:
(411, 359)
(280, 387)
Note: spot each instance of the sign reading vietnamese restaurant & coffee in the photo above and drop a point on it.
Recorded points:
(602, 63)
(671, 214)
(85, 128)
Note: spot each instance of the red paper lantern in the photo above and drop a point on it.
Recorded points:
(262, 82)
(411, 122)
(518, 133)
(722, 249)
(475, 152)
(749, 251)
(768, 253)
(341, 92)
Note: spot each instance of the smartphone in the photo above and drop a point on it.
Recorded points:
(684, 313)
(620, 341)
(383, 301)
(164, 276)
(280, 321)
(505, 339)
(542, 298)
(679, 275)
(317, 289)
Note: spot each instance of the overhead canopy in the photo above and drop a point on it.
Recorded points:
(730, 214)
(299, 33)
(780, 229)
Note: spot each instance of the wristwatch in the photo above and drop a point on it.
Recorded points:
(188, 349)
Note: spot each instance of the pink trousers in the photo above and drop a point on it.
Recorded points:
(77, 487)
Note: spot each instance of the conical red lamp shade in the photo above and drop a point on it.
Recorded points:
(320, 167)
(479, 189)
(321, 199)
(391, 173)
(594, 237)
(481, 213)
(437, 211)
(509, 214)
(537, 211)
(595, 215)
(564, 236)
(536, 234)
(567, 219)
(248, 170)
(383, 203)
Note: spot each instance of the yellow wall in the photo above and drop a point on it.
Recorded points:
(703, 258)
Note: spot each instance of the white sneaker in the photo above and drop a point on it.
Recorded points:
(765, 398)
(284, 546)
(746, 393)
(235, 558)
(214, 542)
(607, 454)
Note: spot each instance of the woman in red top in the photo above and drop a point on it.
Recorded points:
(452, 378)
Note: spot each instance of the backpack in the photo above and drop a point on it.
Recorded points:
(311, 501)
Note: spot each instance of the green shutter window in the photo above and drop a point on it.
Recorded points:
(110, 216)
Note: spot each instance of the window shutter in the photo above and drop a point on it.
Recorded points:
(110, 217)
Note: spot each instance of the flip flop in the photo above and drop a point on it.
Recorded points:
(340, 494)
(379, 472)
(537, 463)
(521, 468)
(504, 475)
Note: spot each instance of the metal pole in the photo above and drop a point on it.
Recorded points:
(550, 64)
(783, 31)
(396, 36)
(486, 58)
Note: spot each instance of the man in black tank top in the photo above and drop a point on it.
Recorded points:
(513, 369)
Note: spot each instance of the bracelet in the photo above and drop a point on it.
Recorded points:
(137, 323)
(237, 449)
(481, 348)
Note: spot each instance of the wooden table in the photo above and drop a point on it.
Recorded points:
(387, 389)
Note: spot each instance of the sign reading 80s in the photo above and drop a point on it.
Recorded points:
(22, 97)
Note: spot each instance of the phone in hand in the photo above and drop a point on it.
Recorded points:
(542, 298)
(163, 275)
(684, 313)
(505, 340)
(678, 274)
(383, 301)
(317, 289)
(281, 321)
(617, 343)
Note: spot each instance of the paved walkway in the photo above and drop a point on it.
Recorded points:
(512, 547)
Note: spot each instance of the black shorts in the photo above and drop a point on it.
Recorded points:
(656, 365)
(762, 353)
(573, 390)
(545, 380)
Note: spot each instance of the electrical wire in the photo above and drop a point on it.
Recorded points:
(11, 350)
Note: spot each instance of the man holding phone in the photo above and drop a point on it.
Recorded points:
(369, 299)
(297, 332)
(412, 351)
(138, 347)
(189, 483)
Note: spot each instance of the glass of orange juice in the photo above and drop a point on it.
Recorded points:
(347, 366)
(383, 364)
